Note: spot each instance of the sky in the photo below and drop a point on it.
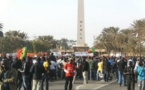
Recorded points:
(59, 17)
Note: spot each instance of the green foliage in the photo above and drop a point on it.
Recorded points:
(14, 40)
(125, 40)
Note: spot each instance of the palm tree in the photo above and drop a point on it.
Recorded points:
(111, 34)
(139, 31)
(108, 39)
(126, 41)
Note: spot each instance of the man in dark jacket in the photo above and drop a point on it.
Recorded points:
(106, 68)
(37, 70)
(85, 69)
(52, 57)
(25, 74)
(121, 67)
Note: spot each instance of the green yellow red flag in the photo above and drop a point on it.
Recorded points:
(91, 50)
(22, 53)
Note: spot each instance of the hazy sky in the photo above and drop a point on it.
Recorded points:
(59, 17)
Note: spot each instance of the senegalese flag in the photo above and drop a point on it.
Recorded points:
(91, 50)
(22, 53)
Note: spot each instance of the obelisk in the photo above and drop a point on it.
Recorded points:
(81, 24)
(81, 47)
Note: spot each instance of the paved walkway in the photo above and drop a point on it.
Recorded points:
(92, 85)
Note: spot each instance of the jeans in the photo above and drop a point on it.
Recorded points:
(52, 74)
(19, 83)
(79, 74)
(92, 74)
(116, 73)
(142, 84)
(121, 78)
(62, 74)
(106, 76)
(26, 82)
(45, 77)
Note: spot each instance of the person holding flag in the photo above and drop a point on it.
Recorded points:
(21, 55)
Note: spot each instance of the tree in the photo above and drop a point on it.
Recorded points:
(126, 41)
(64, 43)
(16, 34)
(46, 41)
(130, 40)
(139, 32)
(1, 33)
(12, 41)
(108, 39)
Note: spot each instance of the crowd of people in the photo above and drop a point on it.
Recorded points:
(17, 73)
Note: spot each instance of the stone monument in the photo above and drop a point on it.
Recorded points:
(81, 45)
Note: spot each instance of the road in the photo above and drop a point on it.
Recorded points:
(115, 86)
(92, 85)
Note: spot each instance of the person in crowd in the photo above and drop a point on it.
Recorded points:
(140, 71)
(95, 67)
(63, 62)
(52, 57)
(130, 76)
(43, 59)
(46, 74)
(53, 69)
(100, 69)
(91, 69)
(9, 60)
(8, 77)
(17, 64)
(85, 69)
(75, 74)
(78, 67)
(30, 63)
(106, 68)
(116, 68)
(69, 69)
(121, 67)
(136, 65)
(130, 60)
(37, 70)
(111, 72)
(111, 61)
(25, 73)
(59, 65)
